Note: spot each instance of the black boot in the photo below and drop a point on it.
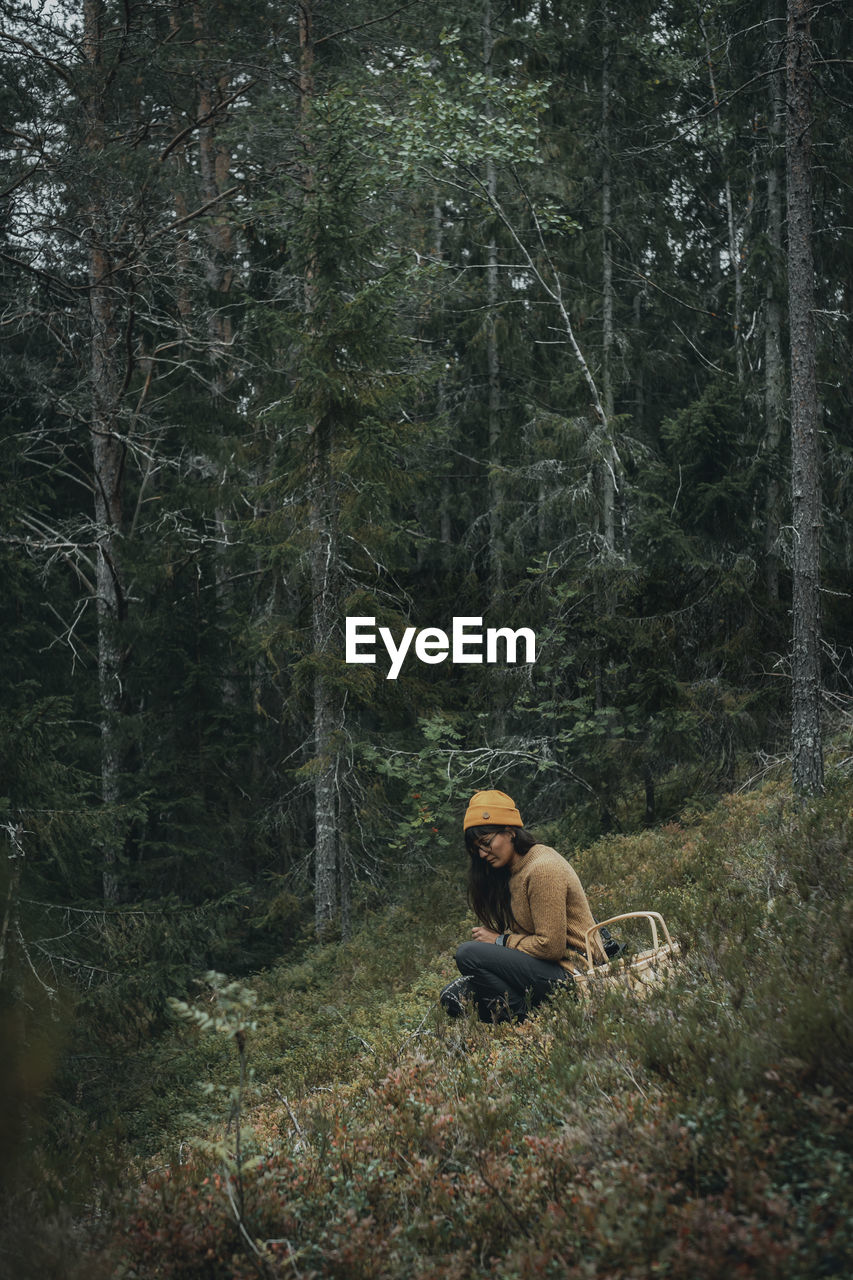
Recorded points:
(455, 996)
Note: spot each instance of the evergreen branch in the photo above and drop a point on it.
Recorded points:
(50, 991)
(92, 912)
(190, 217)
(19, 182)
(56, 67)
(58, 542)
(69, 637)
(634, 274)
(71, 962)
(552, 290)
(710, 364)
(208, 115)
(371, 22)
(700, 116)
(44, 276)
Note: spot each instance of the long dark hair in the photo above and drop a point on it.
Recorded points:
(488, 887)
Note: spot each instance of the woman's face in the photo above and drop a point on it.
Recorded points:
(498, 849)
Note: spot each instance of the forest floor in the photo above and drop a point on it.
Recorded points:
(703, 1131)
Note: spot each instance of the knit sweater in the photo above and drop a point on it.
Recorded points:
(550, 909)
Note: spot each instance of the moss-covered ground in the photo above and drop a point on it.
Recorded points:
(702, 1131)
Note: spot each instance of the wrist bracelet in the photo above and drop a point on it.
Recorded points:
(500, 940)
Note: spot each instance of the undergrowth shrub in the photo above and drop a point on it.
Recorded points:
(700, 1133)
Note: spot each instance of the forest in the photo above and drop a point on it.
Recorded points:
(397, 400)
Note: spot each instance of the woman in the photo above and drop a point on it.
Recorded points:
(533, 916)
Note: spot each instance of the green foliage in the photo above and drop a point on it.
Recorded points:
(45, 794)
(303, 245)
(233, 1007)
(703, 1130)
(706, 447)
(427, 788)
(456, 116)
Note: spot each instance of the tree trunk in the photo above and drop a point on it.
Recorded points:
(774, 365)
(219, 274)
(446, 500)
(807, 751)
(649, 791)
(608, 494)
(345, 860)
(108, 450)
(734, 245)
(214, 168)
(323, 549)
(493, 361)
(639, 365)
(494, 375)
(9, 925)
(606, 467)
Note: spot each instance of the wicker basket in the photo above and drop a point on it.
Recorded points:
(635, 973)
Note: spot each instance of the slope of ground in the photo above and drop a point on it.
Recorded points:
(702, 1132)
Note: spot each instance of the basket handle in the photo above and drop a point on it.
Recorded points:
(654, 918)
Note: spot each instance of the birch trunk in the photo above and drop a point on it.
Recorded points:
(806, 742)
(108, 450)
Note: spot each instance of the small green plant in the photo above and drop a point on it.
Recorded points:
(230, 1011)
(702, 1132)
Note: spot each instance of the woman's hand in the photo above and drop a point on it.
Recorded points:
(479, 934)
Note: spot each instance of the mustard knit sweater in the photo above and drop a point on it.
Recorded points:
(550, 909)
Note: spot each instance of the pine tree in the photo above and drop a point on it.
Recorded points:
(806, 735)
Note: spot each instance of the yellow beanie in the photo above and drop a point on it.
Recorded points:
(491, 809)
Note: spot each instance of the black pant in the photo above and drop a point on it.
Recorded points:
(503, 982)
